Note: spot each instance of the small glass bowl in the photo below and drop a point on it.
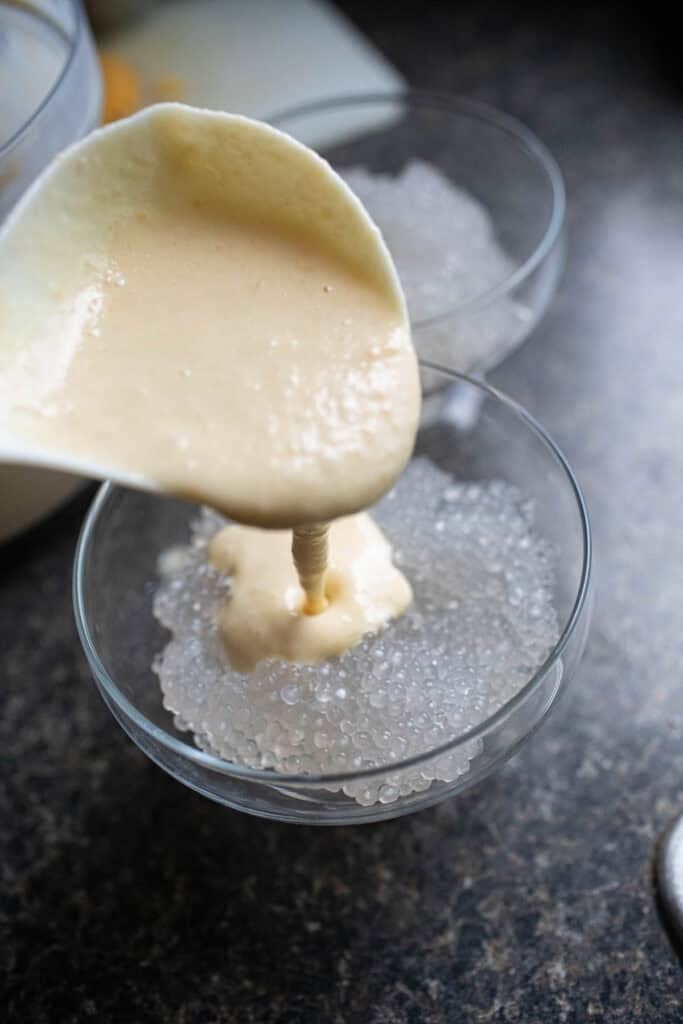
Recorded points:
(495, 159)
(115, 579)
(65, 98)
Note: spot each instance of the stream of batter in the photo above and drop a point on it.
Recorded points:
(232, 354)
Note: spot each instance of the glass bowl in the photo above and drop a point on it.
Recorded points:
(115, 580)
(480, 311)
(50, 88)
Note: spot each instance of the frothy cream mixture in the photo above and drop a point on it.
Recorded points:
(197, 303)
(362, 590)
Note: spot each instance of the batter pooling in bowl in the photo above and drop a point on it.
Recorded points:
(193, 302)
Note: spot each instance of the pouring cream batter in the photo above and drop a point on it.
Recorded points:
(195, 303)
(263, 618)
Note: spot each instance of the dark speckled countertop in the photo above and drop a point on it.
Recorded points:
(529, 899)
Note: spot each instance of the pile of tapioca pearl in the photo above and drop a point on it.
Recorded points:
(481, 622)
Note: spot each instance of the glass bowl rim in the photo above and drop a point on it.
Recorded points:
(266, 775)
(73, 41)
(476, 110)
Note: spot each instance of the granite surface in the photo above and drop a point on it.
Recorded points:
(529, 899)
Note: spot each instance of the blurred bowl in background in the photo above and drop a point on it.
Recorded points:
(50, 96)
(470, 202)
